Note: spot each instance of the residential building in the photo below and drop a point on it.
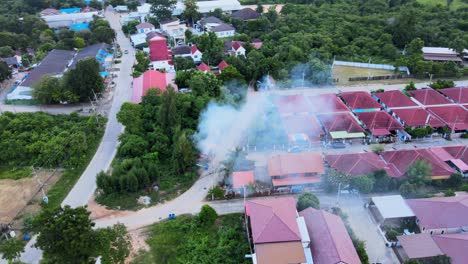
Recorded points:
(222, 65)
(132, 16)
(381, 125)
(440, 54)
(416, 117)
(429, 97)
(302, 130)
(235, 48)
(329, 239)
(457, 95)
(390, 210)
(277, 233)
(188, 51)
(209, 22)
(455, 116)
(326, 103)
(441, 215)
(67, 17)
(246, 14)
(204, 7)
(455, 156)
(139, 40)
(174, 30)
(393, 99)
(358, 164)
(159, 54)
(292, 105)
(145, 27)
(341, 126)
(151, 79)
(97, 51)
(203, 67)
(241, 179)
(223, 31)
(288, 170)
(360, 101)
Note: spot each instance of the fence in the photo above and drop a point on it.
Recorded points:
(382, 77)
(371, 66)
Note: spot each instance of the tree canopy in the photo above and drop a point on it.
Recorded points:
(306, 200)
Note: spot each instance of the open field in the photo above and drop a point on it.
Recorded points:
(343, 73)
(16, 194)
(455, 4)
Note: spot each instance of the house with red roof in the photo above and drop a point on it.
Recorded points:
(275, 232)
(360, 101)
(203, 67)
(403, 159)
(358, 164)
(456, 94)
(441, 215)
(188, 51)
(302, 129)
(222, 65)
(151, 79)
(341, 126)
(326, 103)
(380, 124)
(455, 116)
(292, 105)
(329, 239)
(425, 246)
(455, 156)
(235, 48)
(416, 117)
(241, 179)
(160, 54)
(394, 99)
(428, 96)
(289, 169)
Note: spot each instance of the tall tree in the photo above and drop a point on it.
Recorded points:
(183, 156)
(130, 115)
(306, 200)
(168, 117)
(11, 250)
(5, 71)
(114, 244)
(419, 172)
(162, 9)
(84, 80)
(191, 11)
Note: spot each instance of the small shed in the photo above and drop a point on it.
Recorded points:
(241, 179)
(390, 209)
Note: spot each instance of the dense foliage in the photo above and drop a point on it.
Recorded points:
(188, 240)
(5, 71)
(44, 140)
(307, 200)
(66, 235)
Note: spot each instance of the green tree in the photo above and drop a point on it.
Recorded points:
(184, 155)
(84, 80)
(364, 184)
(6, 51)
(182, 64)
(130, 115)
(259, 8)
(377, 148)
(191, 11)
(419, 172)
(204, 84)
(407, 189)
(230, 73)
(11, 249)
(168, 118)
(383, 181)
(114, 244)
(449, 193)
(334, 179)
(207, 215)
(66, 235)
(410, 86)
(5, 71)
(307, 200)
(212, 48)
(50, 90)
(130, 27)
(162, 9)
(455, 180)
(79, 42)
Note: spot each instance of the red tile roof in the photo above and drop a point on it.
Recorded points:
(222, 65)
(417, 117)
(457, 94)
(326, 103)
(158, 49)
(458, 152)
(292, 104)
(203, 67)
(194, 49)
(428, 96)
(454, 116)
(298, 180)
(297, 163)
(303, 124)
(151, 79)
(236, 45)
(455, 246)
(257, 45)
(144, 25)
(329, 240)
(394, 99)
(242, 178)
(359, 100)
(441, 212)
(379, 123)
(403, 159)
(340, 122)
(419, 246)
(273, 220)
(357, 164)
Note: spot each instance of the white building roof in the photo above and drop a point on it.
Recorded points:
(439, 50)
(138, 39)
(144, 9)
(392, 206)
(207, 6)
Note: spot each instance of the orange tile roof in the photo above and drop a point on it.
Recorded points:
(297, 163)
(242, 178)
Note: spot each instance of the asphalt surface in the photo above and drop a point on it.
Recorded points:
(86, 185)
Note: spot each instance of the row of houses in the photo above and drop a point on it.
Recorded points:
(384, 116)
(292, 171)
(56, 63)
(442, 224)
(279, 234)
(441, 54)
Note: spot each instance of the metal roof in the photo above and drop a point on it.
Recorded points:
(392, 206)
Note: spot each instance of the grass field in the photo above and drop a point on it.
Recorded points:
(343, 73)
(15, 173)
(455, 4)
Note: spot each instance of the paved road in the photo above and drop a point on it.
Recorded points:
(84, 188)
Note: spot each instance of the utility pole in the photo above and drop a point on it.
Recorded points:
(303, 77)
(338, 195)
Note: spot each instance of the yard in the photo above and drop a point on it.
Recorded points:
(343, 73)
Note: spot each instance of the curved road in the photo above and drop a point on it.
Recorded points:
(84, 188)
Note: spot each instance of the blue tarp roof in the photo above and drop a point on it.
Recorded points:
(70, 10)
(104, 74)
(80, 26)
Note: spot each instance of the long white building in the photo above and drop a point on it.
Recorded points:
(66, 20)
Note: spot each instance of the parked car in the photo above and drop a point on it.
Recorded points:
(338, 145)
(126, 51)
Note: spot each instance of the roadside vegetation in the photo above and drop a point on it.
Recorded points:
(204, 238)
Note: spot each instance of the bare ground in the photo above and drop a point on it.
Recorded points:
(343, 73)
(138, 238)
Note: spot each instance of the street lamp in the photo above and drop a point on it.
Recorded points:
(430, 76)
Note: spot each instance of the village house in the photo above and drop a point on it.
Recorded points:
(188, 51)
(145, 27)
(235, 48)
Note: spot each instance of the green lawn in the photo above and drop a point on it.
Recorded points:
(186, 240)
(455, 4)
(15, 173)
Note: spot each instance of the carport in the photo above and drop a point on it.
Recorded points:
(390, 210)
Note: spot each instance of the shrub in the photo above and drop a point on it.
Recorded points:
(455, 180)
(215, 193)
(307, 200)
(441, 84)
(449, 193)
(377, 148)
(207, 215)
(464, 187)
(364, 184)
(392, 235)
(407, 189)
(410, 86)
(464, 135)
